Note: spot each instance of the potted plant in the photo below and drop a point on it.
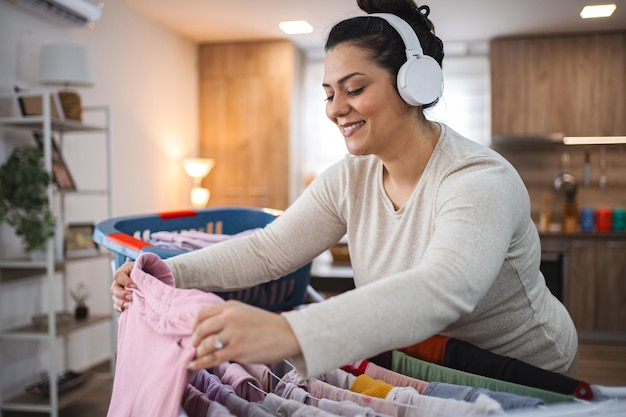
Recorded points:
(23, 200)
(80, 294)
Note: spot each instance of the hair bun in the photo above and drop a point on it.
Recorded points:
(397, 7)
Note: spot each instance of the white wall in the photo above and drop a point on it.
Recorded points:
(148, 77)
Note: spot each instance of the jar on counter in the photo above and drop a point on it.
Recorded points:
(570, 216)
(587, 219)
(619, 219)
(604, 219)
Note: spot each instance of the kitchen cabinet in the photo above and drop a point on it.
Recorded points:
(596, 286)
(246, 94)
(581, 284)
(568, 85)
(51, 270)
(611, 286)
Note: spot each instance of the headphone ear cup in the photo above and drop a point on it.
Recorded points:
(420, 81)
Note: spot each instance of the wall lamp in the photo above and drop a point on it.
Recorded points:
(198, 168)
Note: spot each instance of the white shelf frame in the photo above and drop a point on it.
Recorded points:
(47, 124)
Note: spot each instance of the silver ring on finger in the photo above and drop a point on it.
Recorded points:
(218, 343)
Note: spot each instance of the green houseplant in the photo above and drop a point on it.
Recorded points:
(23, 200)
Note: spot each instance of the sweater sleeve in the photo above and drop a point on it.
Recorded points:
(303, 231)
(477, 209)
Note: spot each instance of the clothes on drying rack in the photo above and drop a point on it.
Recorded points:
(458, 354)
(508, 401)
(320, 392)
(427, 371)
(152, 378)
(242, 382)
(385, 374)
(195, 403)
(305, 397)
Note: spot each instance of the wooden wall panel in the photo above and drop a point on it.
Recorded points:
(509, 87)
(569, 84)
(610, 54)
(245, 98)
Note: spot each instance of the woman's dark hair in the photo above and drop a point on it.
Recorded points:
(383, 43)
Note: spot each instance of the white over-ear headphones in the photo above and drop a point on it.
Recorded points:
(420, 80)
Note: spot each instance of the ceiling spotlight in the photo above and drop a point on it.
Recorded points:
(597, 10)
(295, 27)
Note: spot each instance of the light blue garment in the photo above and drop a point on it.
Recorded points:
(507, 400)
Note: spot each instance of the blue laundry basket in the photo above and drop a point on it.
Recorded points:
(128, 237)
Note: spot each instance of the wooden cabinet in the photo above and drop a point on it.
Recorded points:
(509, 86)
(246, 92)
(611, 286)
(596, 286)
(581, 284)
(571, 85)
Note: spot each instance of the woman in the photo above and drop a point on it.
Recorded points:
(439, 229)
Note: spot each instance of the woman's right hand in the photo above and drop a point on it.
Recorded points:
(119, 289)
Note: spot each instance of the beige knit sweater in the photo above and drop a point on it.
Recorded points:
(461, 259)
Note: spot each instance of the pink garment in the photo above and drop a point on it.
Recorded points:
(320, 389)
(413, 404)
(191, 239)
(237, 377)
(154, 342)
(346, 408)
(194, 402)
(291, 391)
(338, 378)
(395, 378)
(261, 373)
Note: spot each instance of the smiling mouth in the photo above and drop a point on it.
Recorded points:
(349, 128)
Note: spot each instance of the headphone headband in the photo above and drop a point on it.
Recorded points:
(419, 80)
(406, 32)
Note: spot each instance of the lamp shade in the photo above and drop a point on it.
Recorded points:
(64, 64)
(198, 168)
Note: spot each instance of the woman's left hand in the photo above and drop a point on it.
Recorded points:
(234, 331)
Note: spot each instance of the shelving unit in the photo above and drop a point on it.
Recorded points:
(51, 266)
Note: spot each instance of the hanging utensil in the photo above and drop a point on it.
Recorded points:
(565, 182)
(587, 169)
(565, 177)
(603, 178)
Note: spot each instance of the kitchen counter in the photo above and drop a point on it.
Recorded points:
(560, 241)
(584, 235)
(329, 277)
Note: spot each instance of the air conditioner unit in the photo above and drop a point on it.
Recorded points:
(75, 12)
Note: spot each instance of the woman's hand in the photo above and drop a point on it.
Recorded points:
(234, 331)
(121, 281)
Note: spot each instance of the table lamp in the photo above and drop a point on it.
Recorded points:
(198, 168)
(66, 65)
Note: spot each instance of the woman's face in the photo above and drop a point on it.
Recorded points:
(363, 102)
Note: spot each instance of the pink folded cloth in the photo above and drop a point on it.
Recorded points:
(191, 239)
